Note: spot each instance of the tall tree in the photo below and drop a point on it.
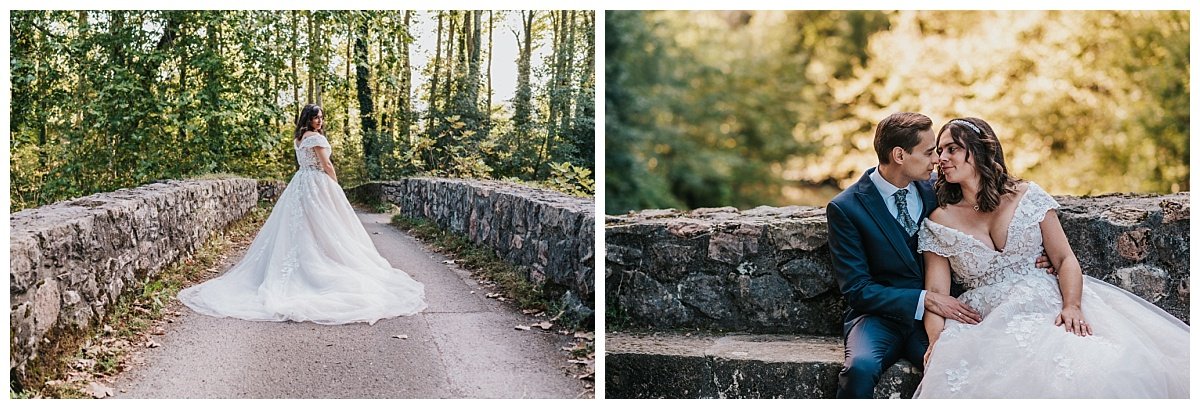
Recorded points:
(366, 104)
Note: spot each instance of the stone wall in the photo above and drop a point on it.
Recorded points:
(71, 260)
(549, 232)
(768, 269)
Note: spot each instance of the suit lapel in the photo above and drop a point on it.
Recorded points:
(870, 198)
(927, 197)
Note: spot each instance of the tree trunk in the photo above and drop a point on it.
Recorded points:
(491, 28)
(433, 85)
(295, 56)
(406, 88)
(310, 64)
(366, 104)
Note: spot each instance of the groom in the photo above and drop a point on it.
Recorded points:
(872, 237)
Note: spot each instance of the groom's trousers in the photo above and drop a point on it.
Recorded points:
(873, 344)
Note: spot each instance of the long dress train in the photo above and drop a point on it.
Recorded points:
(311, 261)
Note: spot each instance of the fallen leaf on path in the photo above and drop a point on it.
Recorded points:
(472, 292)
(375, 233)
(531, 311)
(108, 329)
(401, 336)
(587, 376)
(83, 364)
(521, 327)
(585, 335)
(448, 262)
(152, 344)
(158, 331)
(493, 295)
(578, 361)
(544, 325)
(99, 391)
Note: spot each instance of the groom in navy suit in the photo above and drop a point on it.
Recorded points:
(872, 237)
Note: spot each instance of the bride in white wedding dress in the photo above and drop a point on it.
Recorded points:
(1041, 336)
(312, 260)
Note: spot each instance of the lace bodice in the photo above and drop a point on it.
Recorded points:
(306, 156)
(975, 264)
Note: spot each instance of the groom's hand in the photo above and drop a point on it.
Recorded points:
(1044, 262)
(951, 308)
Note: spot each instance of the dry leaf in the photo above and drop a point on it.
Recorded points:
(99, 391)
(152, 344)
(544, 325)
(531, 311)
(577, 361)
(158, 331)
(521, 327)
(401, 336)
(493, 295)
(375, 233)
(585, 335)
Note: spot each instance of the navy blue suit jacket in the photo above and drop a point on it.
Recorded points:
(875, 269)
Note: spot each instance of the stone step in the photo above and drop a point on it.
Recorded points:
(734, 366)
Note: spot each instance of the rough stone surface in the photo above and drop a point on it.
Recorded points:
(768, 270)
(71, 260)
(745, 366)
(550, 233)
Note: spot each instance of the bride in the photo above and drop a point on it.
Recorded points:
(312, 260)
(1041, 337)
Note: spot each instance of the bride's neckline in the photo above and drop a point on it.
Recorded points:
(1007, 230)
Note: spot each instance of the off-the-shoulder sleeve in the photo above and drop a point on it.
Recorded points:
(1038, 204)
(939, 239)
(314, 140)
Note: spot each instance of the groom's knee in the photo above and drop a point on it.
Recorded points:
(863, 368)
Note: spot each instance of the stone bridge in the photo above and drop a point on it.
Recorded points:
(681, 282)
(72, 260)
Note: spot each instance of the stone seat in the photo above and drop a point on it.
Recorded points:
(729, 366)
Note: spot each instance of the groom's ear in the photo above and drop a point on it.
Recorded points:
(897, 154)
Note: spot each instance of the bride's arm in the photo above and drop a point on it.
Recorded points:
(325, 163)
(1070, 275)
(937, 280)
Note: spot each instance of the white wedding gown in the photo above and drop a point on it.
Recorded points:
(312, 261)
(1137, 350)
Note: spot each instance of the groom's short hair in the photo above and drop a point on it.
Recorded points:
(899, 129)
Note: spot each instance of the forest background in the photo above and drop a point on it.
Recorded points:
(744, 108)
(103, 100)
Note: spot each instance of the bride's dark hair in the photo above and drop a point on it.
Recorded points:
(307, 114)
(978, 139)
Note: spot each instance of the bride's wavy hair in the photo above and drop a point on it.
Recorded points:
(977, 137)
(307, 114)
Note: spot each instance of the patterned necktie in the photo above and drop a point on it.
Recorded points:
(902, 212)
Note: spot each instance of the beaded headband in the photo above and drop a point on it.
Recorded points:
(969, 125)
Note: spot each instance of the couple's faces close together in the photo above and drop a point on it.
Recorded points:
(949, 156)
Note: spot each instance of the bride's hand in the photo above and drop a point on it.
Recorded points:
(1071, 318)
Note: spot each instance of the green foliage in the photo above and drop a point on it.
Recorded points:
(779, 107)
(103, 100)
(571, 179)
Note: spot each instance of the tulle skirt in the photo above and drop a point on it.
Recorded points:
(312, 261)
(1137, 350)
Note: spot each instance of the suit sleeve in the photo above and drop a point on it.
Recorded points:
(853, 277)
